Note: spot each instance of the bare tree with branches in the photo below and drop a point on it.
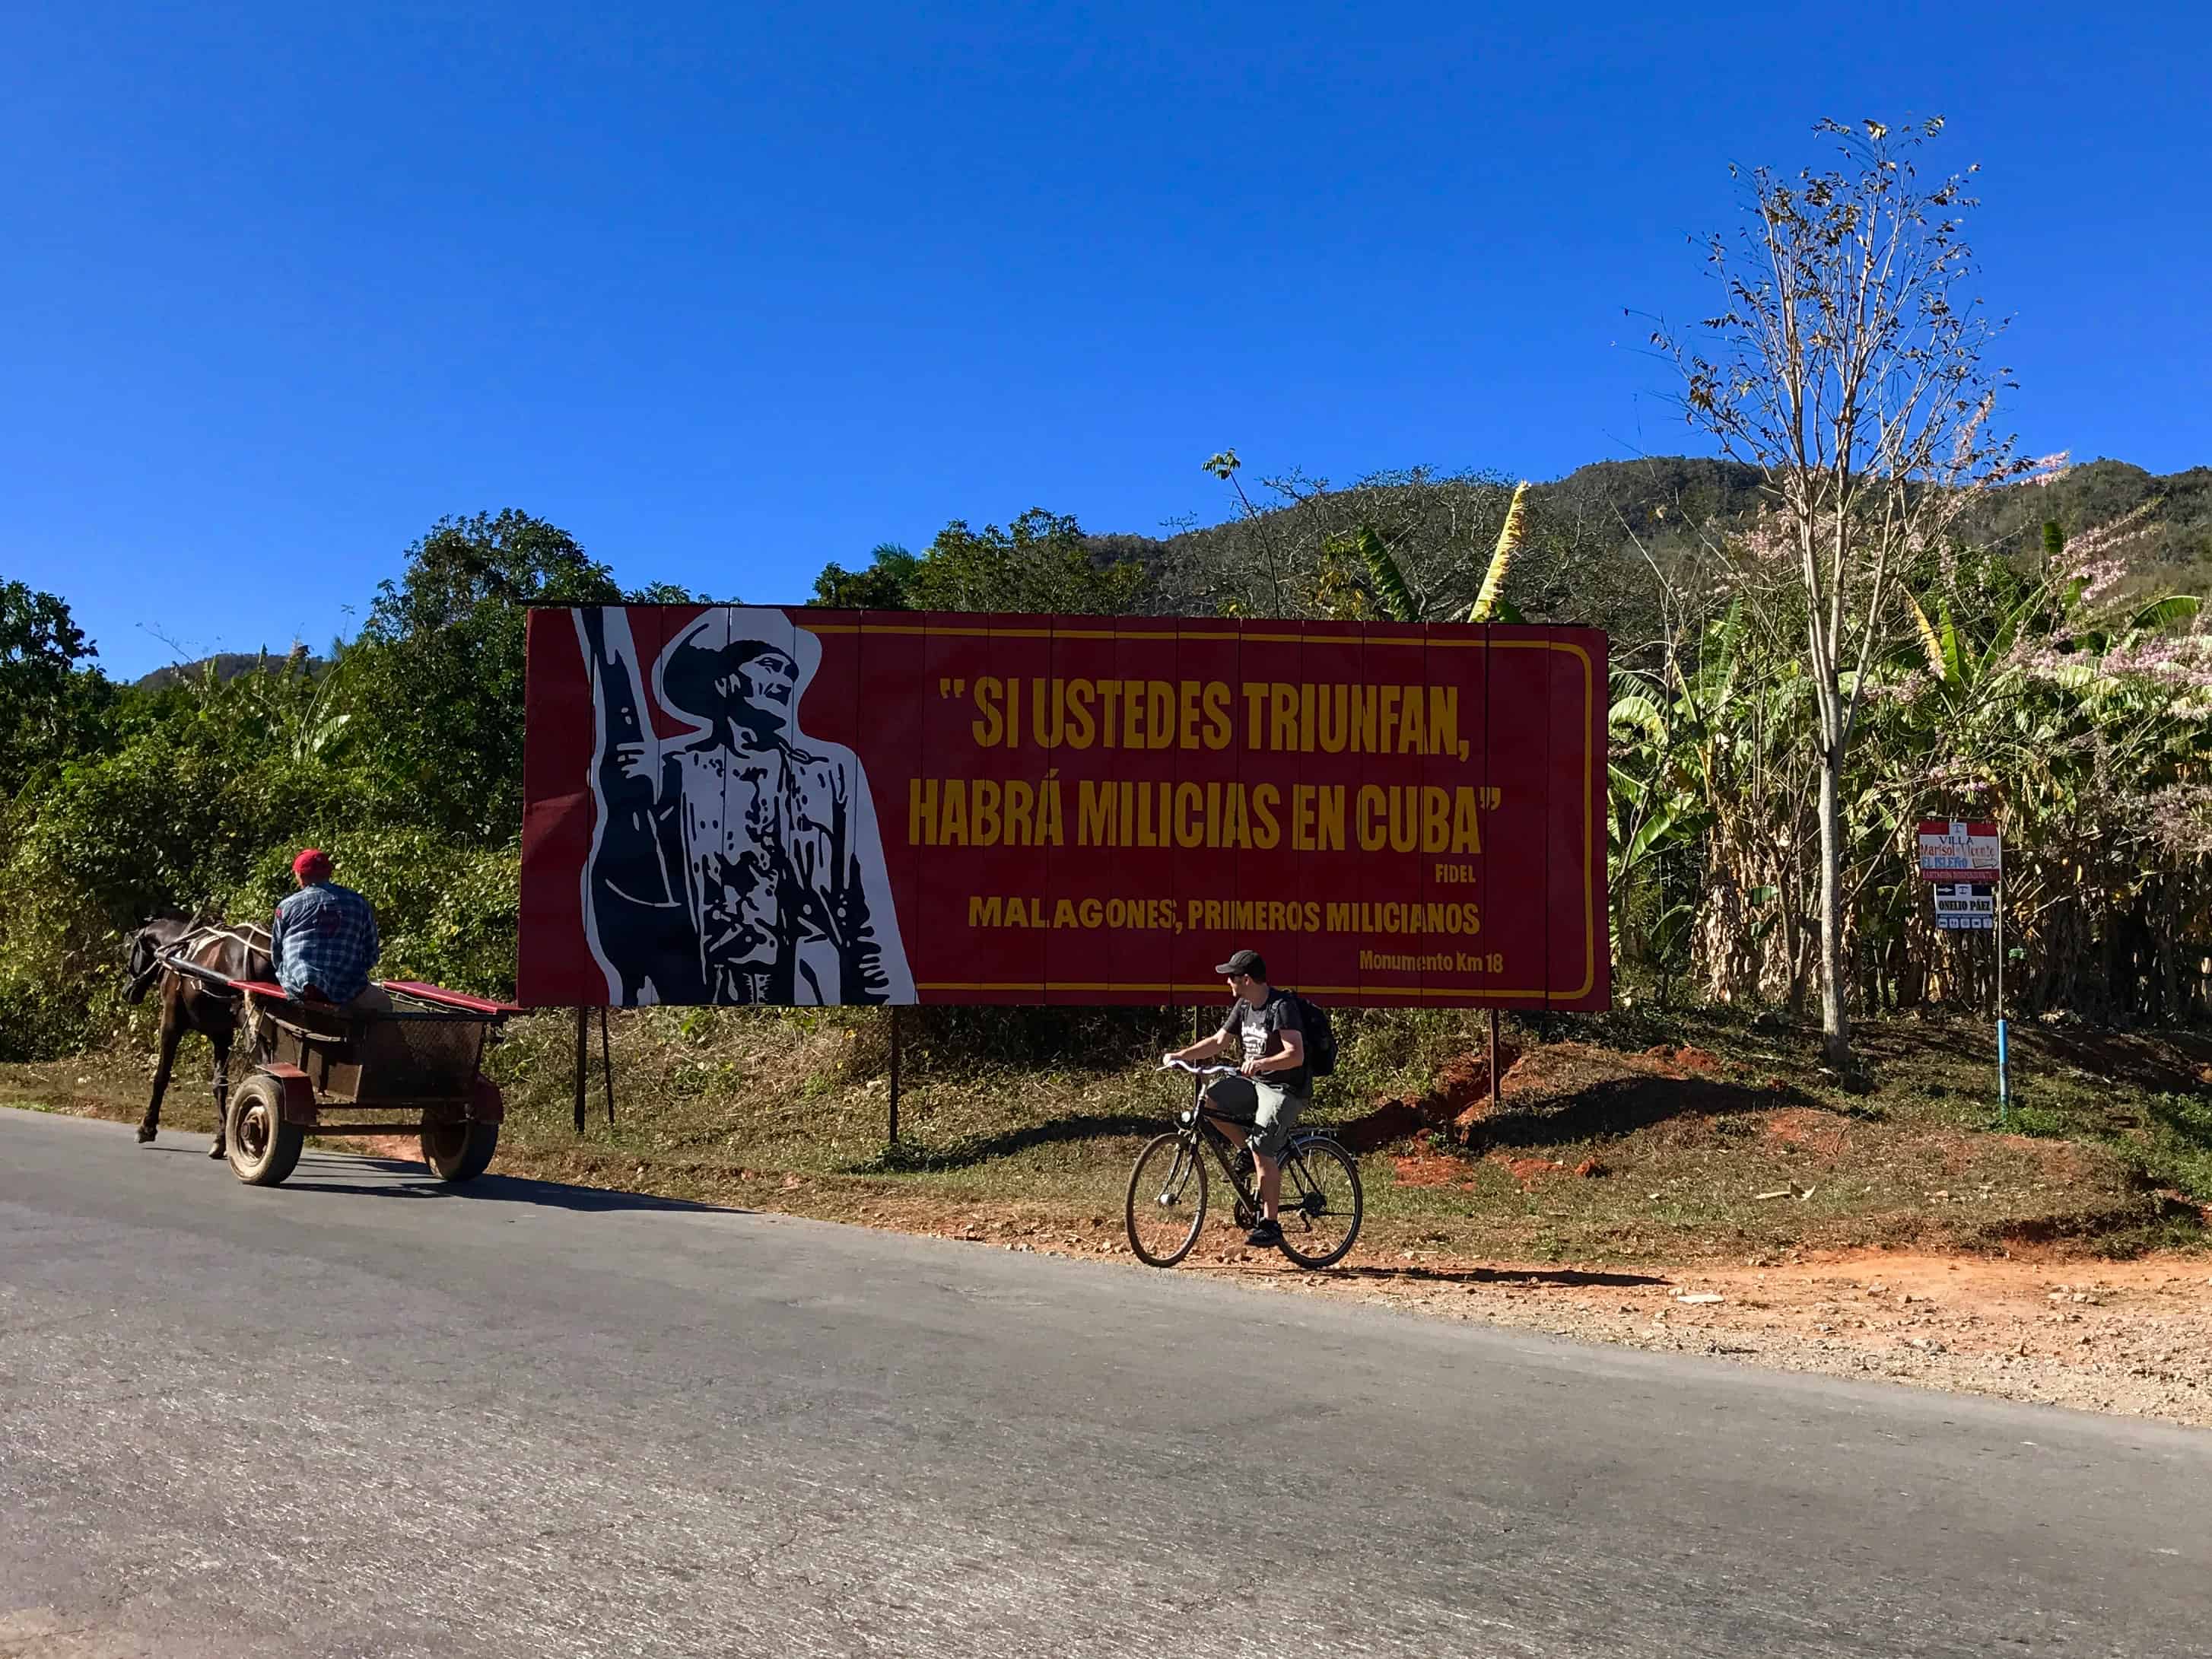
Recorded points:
(1847, 365)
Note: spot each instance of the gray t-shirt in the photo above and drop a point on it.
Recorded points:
(1256, 1027)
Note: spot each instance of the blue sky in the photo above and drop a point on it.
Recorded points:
(731, 291)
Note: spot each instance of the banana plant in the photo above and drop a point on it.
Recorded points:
(306, 713)
(1654, 806)
(1391, 590)
(1395, 597)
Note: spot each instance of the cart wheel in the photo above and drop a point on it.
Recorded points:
(263, 1148)
(459, 1152)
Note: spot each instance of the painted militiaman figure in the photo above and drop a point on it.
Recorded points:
(742, 866)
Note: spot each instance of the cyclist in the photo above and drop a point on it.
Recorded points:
(1258, 1109)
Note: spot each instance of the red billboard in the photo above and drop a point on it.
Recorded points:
(745, 805)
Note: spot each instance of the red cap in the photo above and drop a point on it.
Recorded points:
(313, 865)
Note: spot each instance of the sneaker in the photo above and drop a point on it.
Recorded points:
(1265, 1235)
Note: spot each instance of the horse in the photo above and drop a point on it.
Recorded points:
(189, 1004)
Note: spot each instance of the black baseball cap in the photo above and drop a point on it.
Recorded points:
(1244, 962)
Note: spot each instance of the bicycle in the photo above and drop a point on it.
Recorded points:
(1320, 1204)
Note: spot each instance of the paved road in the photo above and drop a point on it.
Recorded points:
(359, 1416)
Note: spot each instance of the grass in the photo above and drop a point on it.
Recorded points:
(1025, 1122)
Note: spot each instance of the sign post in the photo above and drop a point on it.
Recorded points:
(2004, 1103)
(1965, 865)
(894, 1076)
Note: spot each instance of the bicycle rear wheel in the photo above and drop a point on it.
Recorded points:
(1167, 1200)
(1322, 1204)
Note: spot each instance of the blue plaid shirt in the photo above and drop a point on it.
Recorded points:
(325, 936)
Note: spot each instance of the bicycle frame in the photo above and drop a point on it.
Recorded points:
(1310, 1166)
(1204, 1130)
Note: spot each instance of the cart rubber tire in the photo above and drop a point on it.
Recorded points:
(459, 1152)
(263, 1148)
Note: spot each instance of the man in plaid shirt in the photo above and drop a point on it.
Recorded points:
(323, 940)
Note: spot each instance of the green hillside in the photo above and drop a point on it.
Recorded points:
(225, 666)
(1591, 529)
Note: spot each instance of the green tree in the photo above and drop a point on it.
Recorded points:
(47, 696)
(1042, 562)
(441, 667)
(886, 583)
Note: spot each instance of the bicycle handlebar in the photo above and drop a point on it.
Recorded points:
(1198, 1071)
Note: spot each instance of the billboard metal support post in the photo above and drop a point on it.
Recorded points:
(1493, 1062)
(607, 1064)
(895, 1071)
(583, 1059)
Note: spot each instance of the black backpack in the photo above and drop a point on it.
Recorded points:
(1320, 1039)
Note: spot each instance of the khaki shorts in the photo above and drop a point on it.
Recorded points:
(1268, 1110)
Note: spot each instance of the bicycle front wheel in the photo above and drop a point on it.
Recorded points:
(1322, 1204)
(1167, 1200)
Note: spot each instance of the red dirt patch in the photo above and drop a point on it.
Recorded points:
(1566, 1068)
(1527, 1170)
(1423, 1167)
(1465, 1081)
(1459, 1096)
(1685, 1058)
(1810, 1128)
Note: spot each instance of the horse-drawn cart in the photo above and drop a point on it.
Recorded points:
(416, 1069)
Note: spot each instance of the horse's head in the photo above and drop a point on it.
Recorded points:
(141, 961)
